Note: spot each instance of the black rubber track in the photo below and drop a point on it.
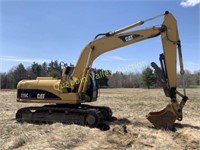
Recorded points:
(86, 115)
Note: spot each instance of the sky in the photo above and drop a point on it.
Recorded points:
(45, 30)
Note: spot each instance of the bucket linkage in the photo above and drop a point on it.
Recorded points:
(165, 118)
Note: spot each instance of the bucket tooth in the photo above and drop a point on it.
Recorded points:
(163, 119)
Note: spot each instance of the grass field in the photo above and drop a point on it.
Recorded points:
(130, 131)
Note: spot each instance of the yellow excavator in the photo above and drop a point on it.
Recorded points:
(64, 97)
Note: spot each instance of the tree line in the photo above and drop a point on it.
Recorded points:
(149, 79)
(9, 80)
(146, 79)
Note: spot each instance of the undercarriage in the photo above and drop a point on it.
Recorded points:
(86, 115)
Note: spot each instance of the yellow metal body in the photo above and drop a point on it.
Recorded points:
(50, 85)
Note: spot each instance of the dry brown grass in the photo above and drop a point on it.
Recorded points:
(130, 107)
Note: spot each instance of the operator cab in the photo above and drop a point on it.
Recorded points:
(92, 90)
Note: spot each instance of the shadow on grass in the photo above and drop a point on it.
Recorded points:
(180, 125)
(121, 121)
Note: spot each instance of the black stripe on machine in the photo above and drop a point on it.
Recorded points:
(35, 94)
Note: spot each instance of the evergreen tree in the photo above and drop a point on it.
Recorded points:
(36, 69)
(148, 77)
(19, 74)
(54, 69)
(102, 77)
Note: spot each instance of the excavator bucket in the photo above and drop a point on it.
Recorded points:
(163, 119)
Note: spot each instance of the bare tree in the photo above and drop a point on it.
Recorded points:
(188, 78)
(115, 80)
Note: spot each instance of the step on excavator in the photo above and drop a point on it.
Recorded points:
(65, 96)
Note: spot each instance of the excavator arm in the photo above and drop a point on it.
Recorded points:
(167, 73)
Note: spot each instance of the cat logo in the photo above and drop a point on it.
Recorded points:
(131, 37)
(40, 96)
(128, 38)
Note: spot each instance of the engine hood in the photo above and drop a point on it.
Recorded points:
(42, 83)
